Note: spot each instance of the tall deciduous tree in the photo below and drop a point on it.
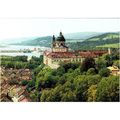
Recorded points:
(87, 63)
(108, 89)
(104, 72)
(92, 93)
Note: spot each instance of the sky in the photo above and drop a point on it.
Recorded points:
(30, 27)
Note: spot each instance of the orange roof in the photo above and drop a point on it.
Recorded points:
(62, 55)
(76, 54)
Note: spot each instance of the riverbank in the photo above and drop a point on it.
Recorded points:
(18, 50)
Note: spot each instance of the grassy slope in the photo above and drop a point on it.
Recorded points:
(116, 45)
(98, 42)
(104, 36)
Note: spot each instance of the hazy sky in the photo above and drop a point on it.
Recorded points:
(23, 27)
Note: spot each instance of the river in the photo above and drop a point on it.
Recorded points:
(20, 47)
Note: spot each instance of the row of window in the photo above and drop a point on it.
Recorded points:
(61, 60)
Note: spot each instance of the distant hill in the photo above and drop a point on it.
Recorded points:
(82, 40)
(102, 41)
(46, 40)
(114, 45)
(16, 40)
(40, 41)
(104, 36)
(81, 35)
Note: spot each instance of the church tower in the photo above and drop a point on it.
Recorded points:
(53, 42)
(58, 44)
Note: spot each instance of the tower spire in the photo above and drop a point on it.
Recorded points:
(60, 32)
(53, 38)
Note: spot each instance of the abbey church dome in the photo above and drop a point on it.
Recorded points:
(60, 37)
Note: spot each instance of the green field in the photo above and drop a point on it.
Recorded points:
(116, 45)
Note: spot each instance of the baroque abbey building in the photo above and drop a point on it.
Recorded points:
(61, 53)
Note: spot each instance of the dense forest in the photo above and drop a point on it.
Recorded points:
(87, 81)
(19, 62)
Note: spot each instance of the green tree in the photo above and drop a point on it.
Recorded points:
(69, 96)
(92, 93)
(38, 69)
(31, 85)
(93, 79)
(61, 80)
(87, 63)
(52, 95)
(60, 71)
(81, 86)
(101, 63)
(77, 72)
(45, 96)
(108, 89)
(91, 71)
(117, 63)
(82, 83)
(24, 82)
(35, 96)
(59, 93)
(67, 66)
(20, 58)
(45, 79)
(104, 72)
(109, 59)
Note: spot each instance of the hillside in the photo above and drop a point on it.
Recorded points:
(16, 40)
(97, 42)
(105, 36)
(116, 45)
(81, 35)
(40, 41)
(46, 40)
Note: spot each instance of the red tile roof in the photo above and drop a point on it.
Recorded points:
(75, 54)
